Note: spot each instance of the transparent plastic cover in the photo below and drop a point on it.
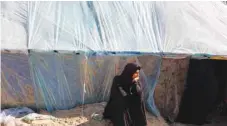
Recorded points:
(173, 27)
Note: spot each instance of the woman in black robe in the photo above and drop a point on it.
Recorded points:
(126, 105)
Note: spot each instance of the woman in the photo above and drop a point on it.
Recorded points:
(126, 106)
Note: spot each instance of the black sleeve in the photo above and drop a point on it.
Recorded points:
(119, 87)
(123, 93)
(135, 88)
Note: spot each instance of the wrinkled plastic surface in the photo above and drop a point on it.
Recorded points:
(8, 116)
(53, 81)
(172, 27)
(74, 79)
(16, 112)
(16, 82)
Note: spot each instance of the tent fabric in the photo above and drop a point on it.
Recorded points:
(170, 86)
(169, 27)
(69, 52)
(53, 81)
(16, 82)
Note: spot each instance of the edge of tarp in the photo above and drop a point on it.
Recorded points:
(126, 53)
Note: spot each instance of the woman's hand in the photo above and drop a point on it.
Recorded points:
(136, 79)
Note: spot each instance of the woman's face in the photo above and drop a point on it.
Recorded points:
(136, 74)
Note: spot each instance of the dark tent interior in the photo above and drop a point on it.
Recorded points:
(205, 91)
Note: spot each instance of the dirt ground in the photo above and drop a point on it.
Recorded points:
(90, 115)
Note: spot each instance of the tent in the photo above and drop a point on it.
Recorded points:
(57, 55)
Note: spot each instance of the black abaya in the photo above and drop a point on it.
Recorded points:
(136, 106)
(116, 109)
(126, 106)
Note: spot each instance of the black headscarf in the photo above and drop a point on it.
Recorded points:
(129, 70)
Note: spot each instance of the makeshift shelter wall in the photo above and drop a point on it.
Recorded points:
(62, 81)
(16, 84)
(170, 86)
(172, 27)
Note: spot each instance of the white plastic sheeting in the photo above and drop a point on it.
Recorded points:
(8, 116)
(173, 27)
(196, 27)
(13, 25)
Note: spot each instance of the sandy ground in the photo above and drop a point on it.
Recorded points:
(91, 117)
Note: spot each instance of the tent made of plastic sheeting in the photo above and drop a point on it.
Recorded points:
(169, 27)
(53, 81)
(59, 55)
